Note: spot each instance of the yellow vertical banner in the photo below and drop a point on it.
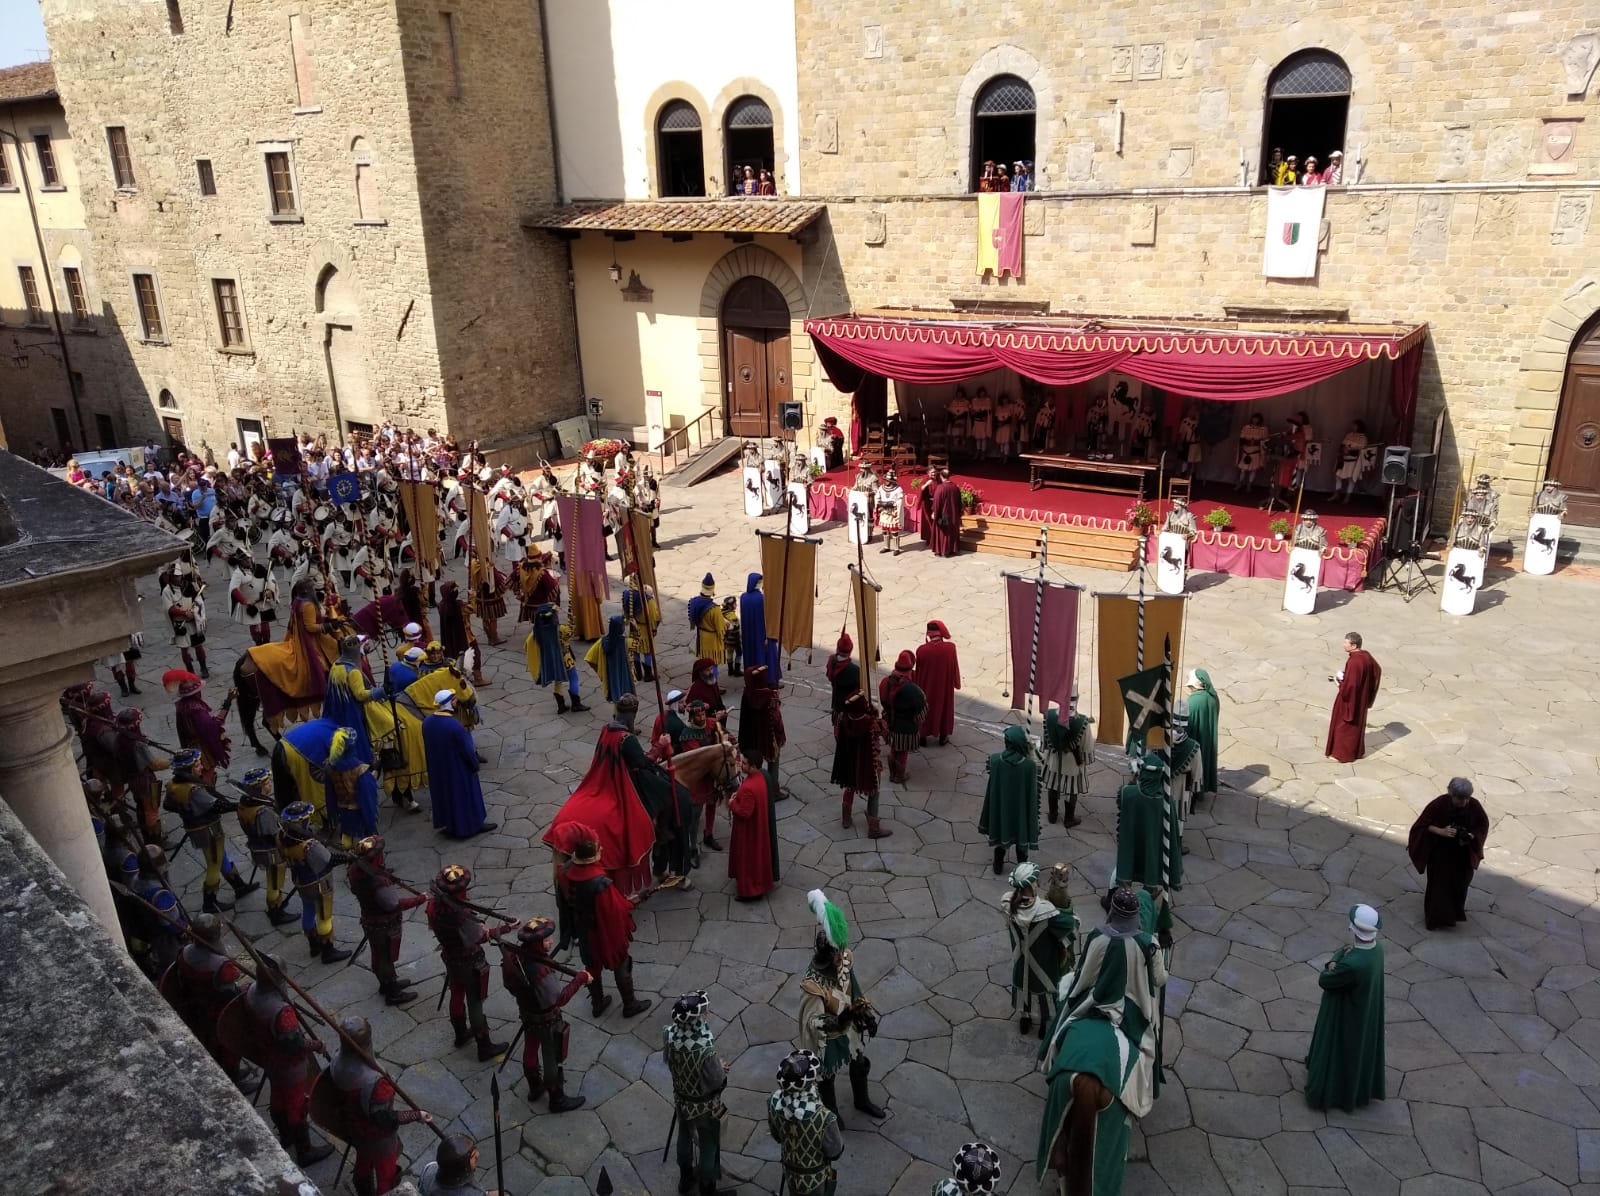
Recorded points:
(641, 554)
(419, 503)
(481, 537)
(1117, 641)
(789, 580)
(988, 226)
(864, 594)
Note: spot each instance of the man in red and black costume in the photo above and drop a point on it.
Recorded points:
(703, 688)
(753, 836)
(943, 501)
(383, 904)
(904, 705)
(199, 985)
(355, 1101)
(761, 722)
(264, 1027)
(540, 994)
(844, 676)
(461, 936)
(595, 913)
(938, 675)
(857, 764)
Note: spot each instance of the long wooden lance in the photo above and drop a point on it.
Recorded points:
(361, 1052)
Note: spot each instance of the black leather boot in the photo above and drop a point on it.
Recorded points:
(632, 1006)
(560, 1102)
(599, 999)
(561, 704)
(241, 886)
(279, 914)
(829, 1094)
(859, 1067)
(999, 860)
(1055, 805)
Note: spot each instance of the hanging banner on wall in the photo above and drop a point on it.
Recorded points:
(1294, 222)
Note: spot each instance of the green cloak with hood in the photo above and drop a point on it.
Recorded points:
(1011, 802)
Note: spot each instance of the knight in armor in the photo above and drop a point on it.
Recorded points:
(638, 605)
(201, 807)
(1044, 936)
(383, 905)
(733, 636)
(1308, 533)
(698, 1078)
(199, 984)
(1180, 520)
(1067, 750)
(258, 818)
(457, 1173)
(866, 479)
(136, 763)
(273, 1036)
(1483, 502)
(1471, 532)
(198, 725)
(600, 918)
(462, 934)
(975, 1170)
(541, 992)
(1551, 499)
(805, 1127)
(647, 498)
(159, 922)
(356, 1102)
(311, 864)
(890, 505)
(836, 1019)
(857, 760)
(549, 655)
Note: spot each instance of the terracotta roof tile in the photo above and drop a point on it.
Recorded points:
(737, 215)
(30, 81)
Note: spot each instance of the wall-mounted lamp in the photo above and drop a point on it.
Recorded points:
(615, 270)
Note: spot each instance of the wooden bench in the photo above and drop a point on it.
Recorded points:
(1039, 464)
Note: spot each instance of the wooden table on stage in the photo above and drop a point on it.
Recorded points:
(1039, 463)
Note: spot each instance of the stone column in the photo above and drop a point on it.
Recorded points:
(39, 781)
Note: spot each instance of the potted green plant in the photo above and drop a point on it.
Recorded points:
(1279, 528)
(1219, 520)
(1142, 517)
(969, 500)
(1351, 535)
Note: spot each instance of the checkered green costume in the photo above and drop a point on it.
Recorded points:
(698, 1078)
(800, 1124)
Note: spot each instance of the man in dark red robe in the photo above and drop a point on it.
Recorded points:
(761, 722)
(946, 534)
(1358, 689)
(599, 916)
(939, 676)
(753, 841)
(607, 801)
(925, 508)
(1446, 846)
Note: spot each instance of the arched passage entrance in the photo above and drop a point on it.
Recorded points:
(1575, 446)
(756, 365)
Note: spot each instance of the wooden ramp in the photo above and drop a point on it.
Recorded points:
(1070, 543)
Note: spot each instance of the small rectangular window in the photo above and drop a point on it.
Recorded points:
(105, 429)
(75, 296)
(280, 184)
(121, 161)
(30, 294)
(47, 160)
(229, 322)
(300, 51)
(208, 178)
(5, 168)
(144, 289)
(174, 17)
(452, 60)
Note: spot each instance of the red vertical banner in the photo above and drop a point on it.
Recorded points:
(1044, 658)
(1010, 233)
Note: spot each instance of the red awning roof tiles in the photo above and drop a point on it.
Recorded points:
(741, 215)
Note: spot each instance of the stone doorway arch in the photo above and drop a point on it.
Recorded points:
(1542, 386)
(728, 279)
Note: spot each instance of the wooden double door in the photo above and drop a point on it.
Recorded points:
(755, 357)
(1575, 447)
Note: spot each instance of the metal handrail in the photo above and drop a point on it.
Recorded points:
(676, 435)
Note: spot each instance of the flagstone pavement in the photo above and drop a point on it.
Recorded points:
(1493, 1032)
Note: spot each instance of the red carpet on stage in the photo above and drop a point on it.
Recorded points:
(1246, 549)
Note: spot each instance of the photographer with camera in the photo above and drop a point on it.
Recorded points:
(1446, 846)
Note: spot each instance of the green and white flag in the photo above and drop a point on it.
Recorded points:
(1294, 225)
(1146, 695)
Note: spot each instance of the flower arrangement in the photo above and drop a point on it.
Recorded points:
(1351, 535)
(816, 471)
(625, 479)
(1279, 528)
(970, 499)
(1142, 517)
(604, 450)
(1219, 520)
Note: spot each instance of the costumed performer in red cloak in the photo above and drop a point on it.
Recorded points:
(753, 842)
(945, 539)
(1358, 689)
(938, 675)
(598, 915)
(606, 801)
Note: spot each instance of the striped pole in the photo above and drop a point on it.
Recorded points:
(1038, 613)
(1144, 544)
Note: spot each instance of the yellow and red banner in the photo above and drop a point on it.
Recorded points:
(1000, 233)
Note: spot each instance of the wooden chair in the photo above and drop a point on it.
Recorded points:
(1178, 488)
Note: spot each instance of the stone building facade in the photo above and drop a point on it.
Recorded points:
(306, 214)
(1471, 152)
(52, 301)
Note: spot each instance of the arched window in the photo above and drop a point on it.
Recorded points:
(747, 134)
(166, 401)
(1308, 100)
(680, 151)
(1002, 131)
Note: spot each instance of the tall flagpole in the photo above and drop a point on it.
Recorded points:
(861, 602)
(1038, 614)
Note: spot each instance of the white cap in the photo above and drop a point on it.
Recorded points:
(1364, 922)
(673, 695)
(444, 699)
(412, 653)
(412, 631)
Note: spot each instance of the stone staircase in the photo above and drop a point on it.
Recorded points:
(1070, 544)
